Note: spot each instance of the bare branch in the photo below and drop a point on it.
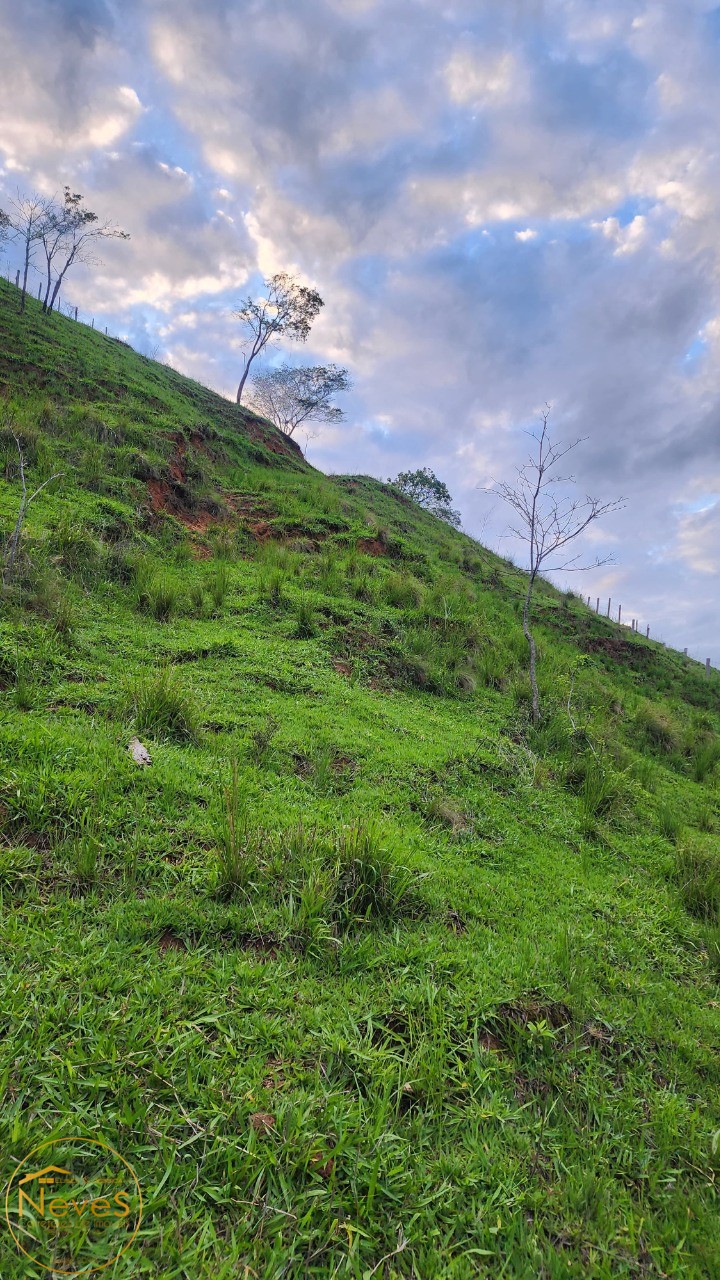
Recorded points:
(548, 521)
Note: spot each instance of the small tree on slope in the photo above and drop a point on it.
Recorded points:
(422, 486)
(288, 310)
(290, 396)
(548, 521)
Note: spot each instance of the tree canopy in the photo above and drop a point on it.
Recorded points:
(290, 396)
(423, 487)
(288, 311)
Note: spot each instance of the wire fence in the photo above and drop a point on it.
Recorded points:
(36, 289)
(634, 625)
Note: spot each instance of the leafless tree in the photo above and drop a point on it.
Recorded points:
(29, 218)
(291, 396)
(288, 311)
(25, 500)
(548, 521)
(70, 236)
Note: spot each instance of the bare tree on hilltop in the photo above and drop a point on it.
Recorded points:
(291, 396)
(548, 521)
(28, 220)
(288, 311)
(70, 236)
(67, 232)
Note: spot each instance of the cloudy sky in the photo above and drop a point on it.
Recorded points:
(503, 205)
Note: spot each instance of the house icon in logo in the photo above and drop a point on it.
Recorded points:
(43, 1178)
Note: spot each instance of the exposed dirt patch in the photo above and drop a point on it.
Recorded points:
(488, 1042)
(173, 499)
(199, 444)
(275, 1078)
(617, 649)
(342, 668)
(520, 1013)
(455, 923)
(262, 1121)
(272, 440)
(170, 941)
(372, 546)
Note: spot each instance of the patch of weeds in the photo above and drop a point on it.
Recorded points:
(598, 793)
(705, 819)
(697, 872)
(262, 739)
(309, 915)
(196, 599)
(271, 587)
(645, 771)
(160, 705)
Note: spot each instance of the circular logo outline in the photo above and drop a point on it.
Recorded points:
(93, 1142)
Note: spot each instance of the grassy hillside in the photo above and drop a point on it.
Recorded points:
(364, 975)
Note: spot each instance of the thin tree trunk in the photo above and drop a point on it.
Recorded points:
(14, 542)
(25, 276)
(47, 291)
(243, 380)
(25, 501)
(533, 653)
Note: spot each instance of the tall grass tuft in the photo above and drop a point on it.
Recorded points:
(712, 946)
(160, 705)
(598, 793)
(239, 843)
(156, 593)
(670, 823)
(83, 853)
(704, 759)
(698, 875)
(219, 584)
(371, 885)
(305, 620)
(656, 727)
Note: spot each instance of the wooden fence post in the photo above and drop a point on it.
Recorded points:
(647, 632)
(76, 313)
(707, 666)
(17, 278)
(92, 326)
(608, 612)
(619, 613)
(597, 605)
(685, 653)
(39, 290)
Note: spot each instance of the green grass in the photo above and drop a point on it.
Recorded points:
(364, 975)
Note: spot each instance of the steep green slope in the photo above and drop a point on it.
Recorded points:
(364, 975)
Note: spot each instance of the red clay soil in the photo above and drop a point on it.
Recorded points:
(164, 498)
(272, 440)
(372, 546)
